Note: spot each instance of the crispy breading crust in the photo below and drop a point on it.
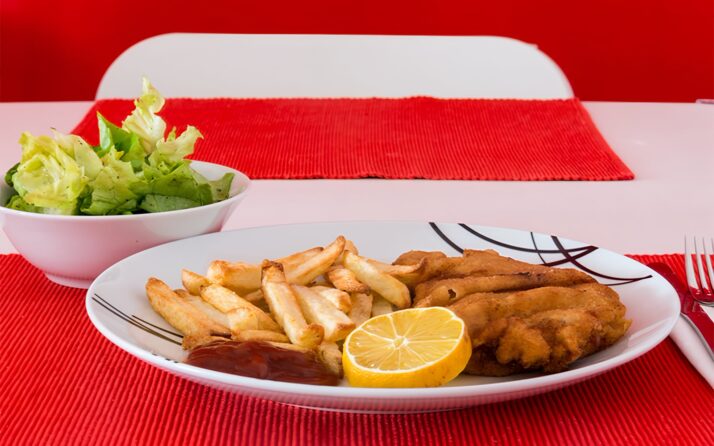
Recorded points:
(544, 328)
(521, 317)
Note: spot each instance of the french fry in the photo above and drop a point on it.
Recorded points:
(361, 308)
(385, 285)
(244, 278)
(345, 280)
(263, 305)
(196, 327)
(380, 306)
(320, 281)
(407, 274)
(240, 277)
(183, 294)
(226, 301)
(285, 308)
(338, 298)
(319, 310)
(316, 265)
(260, 335)
(330, 355)
(236, 321)
(241, 319)
(349, 246)
(193, 282)
(213, 314)
(255, 297)
(294, 260)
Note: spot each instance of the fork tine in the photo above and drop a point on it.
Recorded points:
(708, 261)
(689, 267)
(704, 287)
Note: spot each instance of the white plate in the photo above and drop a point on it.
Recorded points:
(118, 307)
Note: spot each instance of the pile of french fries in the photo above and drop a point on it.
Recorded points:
(308, 301)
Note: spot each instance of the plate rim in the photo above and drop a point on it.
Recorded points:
(424, 393)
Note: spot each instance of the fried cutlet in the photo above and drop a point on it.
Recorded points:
(544, 328)
(520, 316)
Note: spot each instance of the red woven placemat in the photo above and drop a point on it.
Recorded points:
(440, 139)
(63, 383)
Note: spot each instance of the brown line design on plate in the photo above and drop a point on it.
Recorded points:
(570, 255)
(121, 315)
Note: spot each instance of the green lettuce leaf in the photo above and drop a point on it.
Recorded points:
(16, 202)
(170, 178)
(135, 168)
(10, 173)
(124, 141)
(175, 180)
(111, 135)
(82, 153)
(48, 177)
(175, 149)
(163, 203)
(220, 188)
(134, 153)
(116, 190)
(144, 121)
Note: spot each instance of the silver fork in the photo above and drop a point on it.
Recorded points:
(700, 278)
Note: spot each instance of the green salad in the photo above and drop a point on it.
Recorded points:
(136, 168)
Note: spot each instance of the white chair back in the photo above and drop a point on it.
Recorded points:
(250, 65)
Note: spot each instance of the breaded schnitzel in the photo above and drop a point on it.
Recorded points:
(543, 328)
(520, 316)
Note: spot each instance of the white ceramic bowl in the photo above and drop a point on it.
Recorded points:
(73, 250)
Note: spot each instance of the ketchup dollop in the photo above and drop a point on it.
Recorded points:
(262, 360)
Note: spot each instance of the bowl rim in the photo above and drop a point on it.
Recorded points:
(241, 177)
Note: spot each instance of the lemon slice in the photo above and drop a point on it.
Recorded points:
(419, 347)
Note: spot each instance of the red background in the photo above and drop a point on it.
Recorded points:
(634, 50)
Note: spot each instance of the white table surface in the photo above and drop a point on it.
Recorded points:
(669, 147)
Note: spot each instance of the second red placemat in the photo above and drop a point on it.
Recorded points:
(420, 137)
(64, 383)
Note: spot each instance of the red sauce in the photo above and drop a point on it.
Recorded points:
(262, 360)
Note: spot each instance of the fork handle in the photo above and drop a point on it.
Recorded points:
(703, 327)
(691, 310)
